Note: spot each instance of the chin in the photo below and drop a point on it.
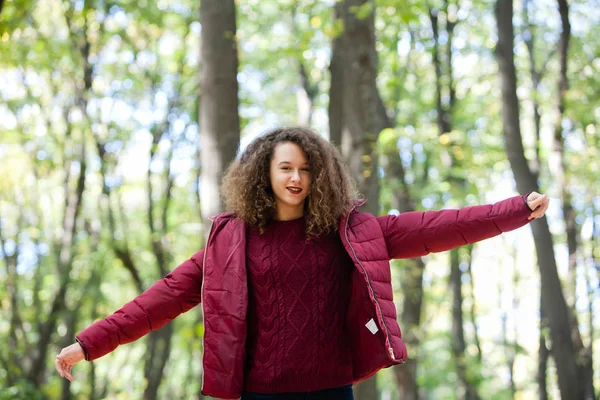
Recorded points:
(295, 203)
(298, 200)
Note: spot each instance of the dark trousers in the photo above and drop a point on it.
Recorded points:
(340, 393)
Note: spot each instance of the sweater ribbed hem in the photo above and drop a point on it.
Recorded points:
(310, 383)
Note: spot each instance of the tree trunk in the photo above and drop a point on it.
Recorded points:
(159, 342)
(14, 364)
(92, 377)
(592, 295)
(445, 110)
(336, 90)
(356, 111)
(543, 355)
(218, 105)
(585, 355)
(12, 288)
(219, 118)
(66, 255)
(473, 308)
(508, 349)
(362, 115)
(412, 287)
(305, 96)
(67, 340)
(558, 149)
(536, 78)
(564, 351)
(159, 348)
(458, 334)
(515, 312)
(65, 244)
(411, 284)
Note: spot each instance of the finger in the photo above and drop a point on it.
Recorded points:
(538, 201)
(532, 196)
(536, 214)
(67, 369)
(534, 207)
(69, 375)
(539, 213)
(58, 366)
(544, 206)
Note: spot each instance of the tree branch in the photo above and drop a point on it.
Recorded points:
(121, 251)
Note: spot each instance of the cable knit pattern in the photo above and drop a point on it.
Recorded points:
(298, 297)
(263, 351)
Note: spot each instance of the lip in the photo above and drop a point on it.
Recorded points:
(294, 187)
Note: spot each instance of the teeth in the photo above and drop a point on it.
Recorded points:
(295, 190)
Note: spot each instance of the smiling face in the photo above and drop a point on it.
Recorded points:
(290, 180)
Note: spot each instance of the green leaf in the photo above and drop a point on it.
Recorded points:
(362, 11)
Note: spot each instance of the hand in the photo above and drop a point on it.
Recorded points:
(68, 357)
(538, 203)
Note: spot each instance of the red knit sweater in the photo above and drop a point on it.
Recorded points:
(298, 293)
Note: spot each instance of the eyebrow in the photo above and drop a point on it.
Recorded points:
(288, 162)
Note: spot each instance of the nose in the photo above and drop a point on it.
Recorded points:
(295, 175)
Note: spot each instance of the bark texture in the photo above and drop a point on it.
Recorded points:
(218, 104)
(571, 379)
(584, 354)
(445, 104)
(307, 91)
(411, 284)
(357, 114)
(218, 111)
(361, 116)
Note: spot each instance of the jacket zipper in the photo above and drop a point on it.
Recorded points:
(390, 349)
(212, 222)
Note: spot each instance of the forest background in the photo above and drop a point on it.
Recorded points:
(118, 117)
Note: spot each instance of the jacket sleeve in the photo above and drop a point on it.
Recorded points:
(176, 293)
(414, 234)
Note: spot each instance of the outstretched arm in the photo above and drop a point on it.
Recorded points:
(415, 234)
(176, 293)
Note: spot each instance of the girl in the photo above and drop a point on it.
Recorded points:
(294, 281)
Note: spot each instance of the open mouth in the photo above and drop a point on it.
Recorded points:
(294, 190)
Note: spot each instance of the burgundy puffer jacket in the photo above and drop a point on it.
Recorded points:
(217, 276)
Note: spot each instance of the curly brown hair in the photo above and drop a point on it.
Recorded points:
(247, 191)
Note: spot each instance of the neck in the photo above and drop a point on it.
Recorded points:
(283, 213)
